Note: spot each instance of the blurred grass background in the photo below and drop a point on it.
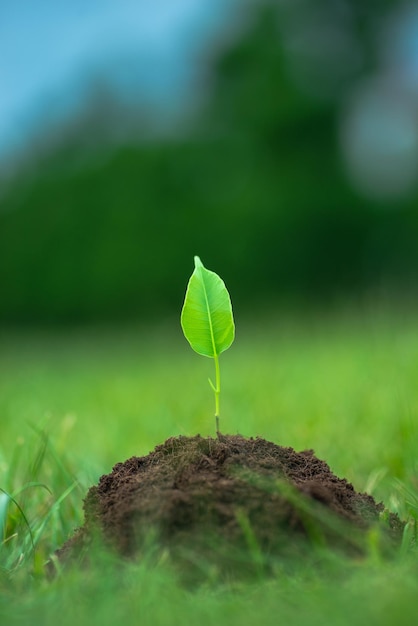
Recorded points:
(75, 403)
(343, 385)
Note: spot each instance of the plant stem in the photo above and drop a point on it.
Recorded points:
(217, 390)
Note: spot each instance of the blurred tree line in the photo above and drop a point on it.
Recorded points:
(256, 188)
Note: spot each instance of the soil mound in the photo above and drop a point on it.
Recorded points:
(227, 501)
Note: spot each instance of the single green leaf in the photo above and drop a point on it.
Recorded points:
(206, 317)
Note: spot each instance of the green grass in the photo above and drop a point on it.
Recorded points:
(74, 403)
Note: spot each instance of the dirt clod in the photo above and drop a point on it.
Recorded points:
(215, 500)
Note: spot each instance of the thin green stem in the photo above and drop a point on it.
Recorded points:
(217, 390)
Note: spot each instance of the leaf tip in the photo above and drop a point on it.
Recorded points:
(197, 262)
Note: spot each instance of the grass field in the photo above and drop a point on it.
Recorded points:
(74, 403)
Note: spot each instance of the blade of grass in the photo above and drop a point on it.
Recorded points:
(25, 520)
(4, 507)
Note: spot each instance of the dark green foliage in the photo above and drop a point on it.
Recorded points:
(257, 188)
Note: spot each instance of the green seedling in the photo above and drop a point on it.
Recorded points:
(207, 320)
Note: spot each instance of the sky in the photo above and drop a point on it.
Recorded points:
(49, 50)
(53, 53)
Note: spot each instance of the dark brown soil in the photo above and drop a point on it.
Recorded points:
(228, 501)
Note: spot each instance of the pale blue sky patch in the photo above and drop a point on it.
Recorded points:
(50, 50)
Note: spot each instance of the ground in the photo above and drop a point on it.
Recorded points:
(233, 503)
